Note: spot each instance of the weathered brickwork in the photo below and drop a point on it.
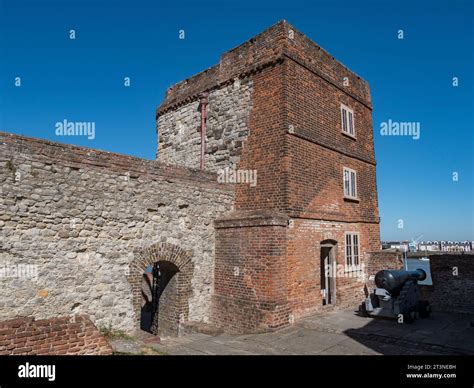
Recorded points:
(55, 336)
(265, 148)
(84, 218)
(250, 276)
(297, 146)
(323, 196)
(453, 283)
(304, 276)
(385, 259)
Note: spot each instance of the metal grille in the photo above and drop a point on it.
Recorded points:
(156, 297)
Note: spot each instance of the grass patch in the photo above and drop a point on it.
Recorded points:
(117, 353)
(145, 351)
(110, 333)
(149, 351)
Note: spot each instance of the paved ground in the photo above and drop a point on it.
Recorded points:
(336, 333)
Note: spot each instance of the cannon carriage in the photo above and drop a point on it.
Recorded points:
(397, 294)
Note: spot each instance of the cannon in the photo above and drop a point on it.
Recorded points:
(397, 294)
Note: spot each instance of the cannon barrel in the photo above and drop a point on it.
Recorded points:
(392, 280)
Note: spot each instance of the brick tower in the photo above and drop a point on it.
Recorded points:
(299, 240)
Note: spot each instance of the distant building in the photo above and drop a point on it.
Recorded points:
(404, 245)
(455, 246)
(430, 246)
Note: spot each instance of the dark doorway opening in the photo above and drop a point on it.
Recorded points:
(328, 270)
(146, 313)
(160, 303)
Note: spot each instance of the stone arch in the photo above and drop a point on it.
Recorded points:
(178, 258)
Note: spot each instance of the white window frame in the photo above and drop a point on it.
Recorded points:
(347, 117)
(352, 256)
(352, 194)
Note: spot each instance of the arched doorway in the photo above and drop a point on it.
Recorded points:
(328, 271)
(161, 285)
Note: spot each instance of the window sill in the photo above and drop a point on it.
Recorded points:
(353, 137)
(351, 199)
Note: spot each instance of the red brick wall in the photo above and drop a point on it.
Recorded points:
(315, 185)
(451, 292)
(318, 60)
(314, 108)
(250, 273)
(304, 251)
(385, 259)
(318, 150)
(300, 175)
(56, 336)
(264, 150)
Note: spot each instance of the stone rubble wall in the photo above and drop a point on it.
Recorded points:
(227, 115)
(71, 219)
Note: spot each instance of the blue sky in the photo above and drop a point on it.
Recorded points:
(410, 79)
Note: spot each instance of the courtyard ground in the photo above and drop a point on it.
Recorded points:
(335, 333)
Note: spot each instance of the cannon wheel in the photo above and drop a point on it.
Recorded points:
(424, 309)
(363, 310)
(409, 316)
